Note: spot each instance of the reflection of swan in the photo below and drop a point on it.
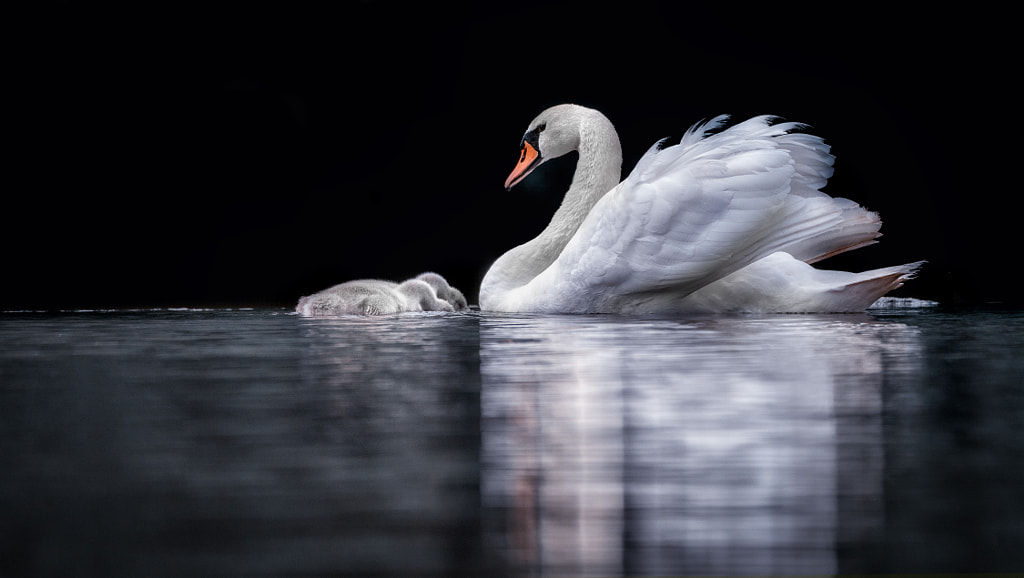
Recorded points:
(690, 228)
(426, 292)
(733, 445)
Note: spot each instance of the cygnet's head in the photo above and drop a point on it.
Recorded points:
(420, 296)
(445, 291)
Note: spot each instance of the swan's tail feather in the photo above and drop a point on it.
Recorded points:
(869, 286)
(781, 283)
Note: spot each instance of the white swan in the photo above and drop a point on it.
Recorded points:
(717, 223)
(425, 292)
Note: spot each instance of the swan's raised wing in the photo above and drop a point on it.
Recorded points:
(697, 211)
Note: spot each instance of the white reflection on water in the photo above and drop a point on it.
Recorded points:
(721, 445)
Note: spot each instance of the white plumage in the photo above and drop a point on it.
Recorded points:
(719, 222)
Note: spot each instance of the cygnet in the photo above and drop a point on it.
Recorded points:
(426, 292)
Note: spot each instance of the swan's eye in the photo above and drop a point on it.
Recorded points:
(541, 127)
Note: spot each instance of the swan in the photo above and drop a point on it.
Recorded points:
(720, 222)
(426, 292)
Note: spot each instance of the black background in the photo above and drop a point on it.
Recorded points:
(247, 154)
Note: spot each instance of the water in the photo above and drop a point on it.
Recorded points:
(260, 443)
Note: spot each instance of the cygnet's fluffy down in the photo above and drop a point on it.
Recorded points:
(425, 292)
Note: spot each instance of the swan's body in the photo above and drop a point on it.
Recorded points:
(425, 292)
(726, 222)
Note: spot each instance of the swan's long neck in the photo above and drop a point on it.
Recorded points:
(597, 172)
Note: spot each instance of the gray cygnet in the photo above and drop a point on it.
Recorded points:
(426, 292)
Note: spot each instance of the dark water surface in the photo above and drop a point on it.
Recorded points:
(255, 442)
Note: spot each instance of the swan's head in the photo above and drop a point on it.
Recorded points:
(554, 132)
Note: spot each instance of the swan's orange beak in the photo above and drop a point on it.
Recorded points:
(529, 158)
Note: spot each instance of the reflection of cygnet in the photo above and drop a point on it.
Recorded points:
(427, 292)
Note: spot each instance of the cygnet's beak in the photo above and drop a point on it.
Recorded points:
(529, 158)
